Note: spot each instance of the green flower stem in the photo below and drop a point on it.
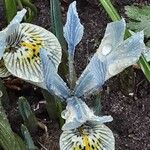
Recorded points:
(110, 9)
(115, 16)
(31, 9)
(72, 73)
(10, 9)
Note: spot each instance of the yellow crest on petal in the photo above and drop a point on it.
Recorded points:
(21, 56)
(88, 137)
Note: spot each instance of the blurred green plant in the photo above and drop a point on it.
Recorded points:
(8, 139)
(27, 114)
(28, 139)
(10, 9)
(4, 98)
(56, 22)
(12, 5)
(139, 19)
(113, 14)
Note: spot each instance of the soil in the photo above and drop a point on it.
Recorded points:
(128, 104)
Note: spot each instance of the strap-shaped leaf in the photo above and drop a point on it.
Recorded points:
(53, 81)
(27, 114)
(92, 78)
(28, 139)
(8, 140)
(73, 30)
(78, 113)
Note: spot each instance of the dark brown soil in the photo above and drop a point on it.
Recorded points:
(128, 105)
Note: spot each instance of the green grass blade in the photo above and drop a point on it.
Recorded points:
(27, 114)
(10, 9)
(28, 139)
(112, 12)
(32, 10)
(8, 140)
(56, 22)
(145, 67)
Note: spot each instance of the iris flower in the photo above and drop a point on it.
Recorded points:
(82, 129)
(80, 120)
(19, 50)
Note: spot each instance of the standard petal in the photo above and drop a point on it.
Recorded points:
(125, 55)
(76, 113)
(92, 78)
(53, 81)
(88, 137)
(22, 54)
(73, 30)
(114, 35)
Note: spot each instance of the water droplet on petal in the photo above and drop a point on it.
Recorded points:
(106, 49)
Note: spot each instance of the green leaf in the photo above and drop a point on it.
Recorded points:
(145, 67)
(8, 140)
(10, 9)
(32, 10)
(112, 12)
(139, 19)
(28, 139)
(27, 114)
(56, 22)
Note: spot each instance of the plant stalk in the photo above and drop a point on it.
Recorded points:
(10, 9)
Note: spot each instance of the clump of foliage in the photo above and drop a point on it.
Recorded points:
(139, 19)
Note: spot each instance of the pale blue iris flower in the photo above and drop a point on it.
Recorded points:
(118, 52)
(113, 56)
(77, 112)
(20, 44)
